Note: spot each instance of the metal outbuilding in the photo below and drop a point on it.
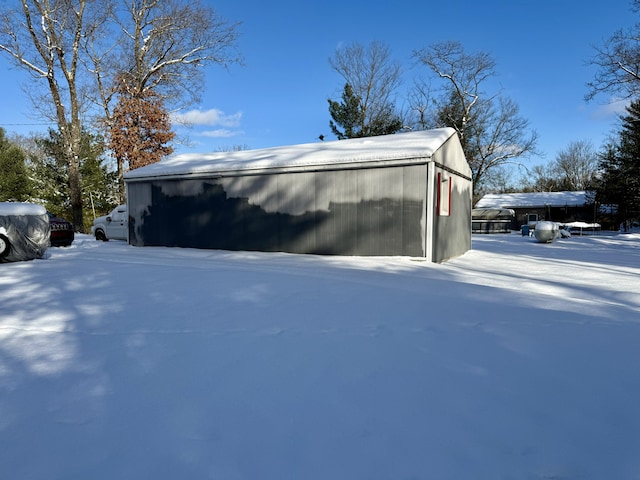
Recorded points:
(406, 194)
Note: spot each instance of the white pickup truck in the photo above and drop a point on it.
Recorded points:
(114, 226)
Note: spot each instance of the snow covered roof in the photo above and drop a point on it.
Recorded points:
(19, 208)
(534, 199)
(408, 146)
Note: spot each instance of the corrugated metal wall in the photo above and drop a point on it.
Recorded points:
(373, 211)
(452, 233)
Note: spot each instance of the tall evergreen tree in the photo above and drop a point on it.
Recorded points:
(630, 158)
(619, 182)
(14, 178)
(98, 183)
(346, 114)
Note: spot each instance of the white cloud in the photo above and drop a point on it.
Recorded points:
(211, 117)
(220, 133)
(616, 106)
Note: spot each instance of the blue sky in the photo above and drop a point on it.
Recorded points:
(280, 96)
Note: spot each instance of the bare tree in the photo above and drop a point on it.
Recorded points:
(464, 75)
(501, 181)
(420, 101)
(491, 130)
(232, 148)
(44, 38)
(160, 46)
(500, 137)
(618, 63)
(576, 166)
(373, 76)
(541, 178)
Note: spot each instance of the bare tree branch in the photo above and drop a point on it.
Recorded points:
(618, 64)
(160, 47)
(373, 76)
(465, 74)
(43, 37)
(491, 130)
(619, 68)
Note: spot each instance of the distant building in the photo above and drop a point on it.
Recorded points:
(561, 207)
(405, 194)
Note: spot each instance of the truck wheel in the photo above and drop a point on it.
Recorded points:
(101, 236)
(5, 246)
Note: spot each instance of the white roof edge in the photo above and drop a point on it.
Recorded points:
(397, 147)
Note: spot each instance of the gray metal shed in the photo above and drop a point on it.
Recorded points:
(405, 194)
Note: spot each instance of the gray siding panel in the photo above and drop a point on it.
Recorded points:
(414, 210)
(336, 227)
(349, 212)
(452, 234)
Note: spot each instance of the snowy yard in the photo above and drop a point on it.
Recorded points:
(518, 360)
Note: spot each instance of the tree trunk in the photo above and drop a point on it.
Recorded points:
(75, 192)
(121, 189)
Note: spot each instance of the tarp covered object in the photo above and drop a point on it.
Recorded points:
(24, 231)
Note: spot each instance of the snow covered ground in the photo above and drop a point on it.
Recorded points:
(518, 360)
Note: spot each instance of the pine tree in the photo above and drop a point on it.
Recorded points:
(352, 117)
(347, 115)
(619, 182)
(630, 159)
(98, 183)
(15, 184)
